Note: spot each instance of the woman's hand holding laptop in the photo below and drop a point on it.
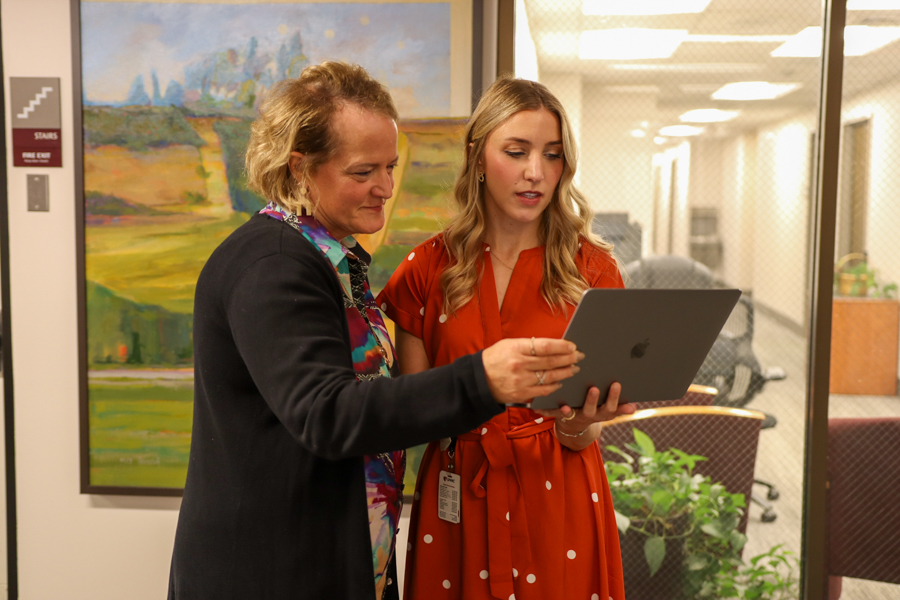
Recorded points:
(577, 429)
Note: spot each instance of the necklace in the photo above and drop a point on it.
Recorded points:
(493, 255)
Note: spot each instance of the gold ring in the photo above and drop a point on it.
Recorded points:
(533, 353)
(570, 417)
(540, 377)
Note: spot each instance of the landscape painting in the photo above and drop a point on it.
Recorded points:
(169, 90)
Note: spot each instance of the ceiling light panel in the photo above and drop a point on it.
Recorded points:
(873, 5)
(708, 115)
(643, 7)
(858, 41)
(630, 44)
(680, 131)
(754, 90)
(693, 67)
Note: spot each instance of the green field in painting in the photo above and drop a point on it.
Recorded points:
(155, 263)
(140, 433)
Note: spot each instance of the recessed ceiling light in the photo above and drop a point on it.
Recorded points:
(681, 130)
(861, 39)
(630, 44)
(643, 7)
(638, 133)
(659, 140)
(631, 89)
(708, 115)
(858, 40)
(737, 39)
(693, 67)
(873, 4)
(754, 90)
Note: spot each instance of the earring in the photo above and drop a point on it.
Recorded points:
(481, 178)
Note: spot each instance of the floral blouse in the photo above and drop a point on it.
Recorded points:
(373, 357)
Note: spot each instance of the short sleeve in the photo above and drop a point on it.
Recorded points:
(403, 298)
(602, 269)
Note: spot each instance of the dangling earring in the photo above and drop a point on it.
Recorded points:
(481, 178)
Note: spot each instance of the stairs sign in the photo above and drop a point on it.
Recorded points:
(35, 107)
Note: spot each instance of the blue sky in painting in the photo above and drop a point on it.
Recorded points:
(406, 46)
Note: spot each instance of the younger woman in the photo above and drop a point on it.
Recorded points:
(535, 518)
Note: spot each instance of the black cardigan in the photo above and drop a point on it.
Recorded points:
(275, 505)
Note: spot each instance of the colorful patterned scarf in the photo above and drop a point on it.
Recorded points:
(373, 357)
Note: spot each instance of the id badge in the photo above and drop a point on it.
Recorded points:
(448, 496)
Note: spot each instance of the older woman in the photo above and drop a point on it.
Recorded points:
(536, 520)
(294, 484)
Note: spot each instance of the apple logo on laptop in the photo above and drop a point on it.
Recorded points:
(640, 348)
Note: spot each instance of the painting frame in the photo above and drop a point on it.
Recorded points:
(467, 65)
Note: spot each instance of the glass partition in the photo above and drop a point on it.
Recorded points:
(696, 122)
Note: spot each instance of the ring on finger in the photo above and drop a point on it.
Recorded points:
(533, 353)
(540, 377)
(570, 417)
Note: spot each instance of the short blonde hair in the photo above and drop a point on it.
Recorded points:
(564, 223)
(296, 116)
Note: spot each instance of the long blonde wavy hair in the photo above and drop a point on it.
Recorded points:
(566, 219)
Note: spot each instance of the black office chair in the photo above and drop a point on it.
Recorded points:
(731, 366)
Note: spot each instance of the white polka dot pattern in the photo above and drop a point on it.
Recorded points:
(483, 574)
(597, 597)
(595, 497)
(442, 318)
(411, 256)
(422, 311)
(507, 516)
(483, 430)
(515, 572)
(409, 547)
(531, 578)
(570, 554)
(446, 584)
(488, 249)
(549, 485)
(428, 539)
(512, 597)
(383, 306)
(539, 420)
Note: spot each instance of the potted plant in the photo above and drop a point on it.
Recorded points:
(679, 531)
(853, 277)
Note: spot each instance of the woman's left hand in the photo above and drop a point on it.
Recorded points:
(577, 429)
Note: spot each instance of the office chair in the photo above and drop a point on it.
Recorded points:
(863, 512)
(727, 437)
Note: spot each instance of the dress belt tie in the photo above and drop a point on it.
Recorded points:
(494, 471)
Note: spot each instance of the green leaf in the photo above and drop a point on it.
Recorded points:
(738, 540)
(712, 529)
(616, 450)
(643, 440)
(663, 500)
(622, 522)
(655, 552)
(696, 562)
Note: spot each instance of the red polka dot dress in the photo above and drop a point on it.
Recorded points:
(536, 519)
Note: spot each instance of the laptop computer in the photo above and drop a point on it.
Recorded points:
(649, 340)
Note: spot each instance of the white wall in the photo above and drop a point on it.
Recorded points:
(70, 546)
(616, 169)
(738, 209)
(882, 239)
